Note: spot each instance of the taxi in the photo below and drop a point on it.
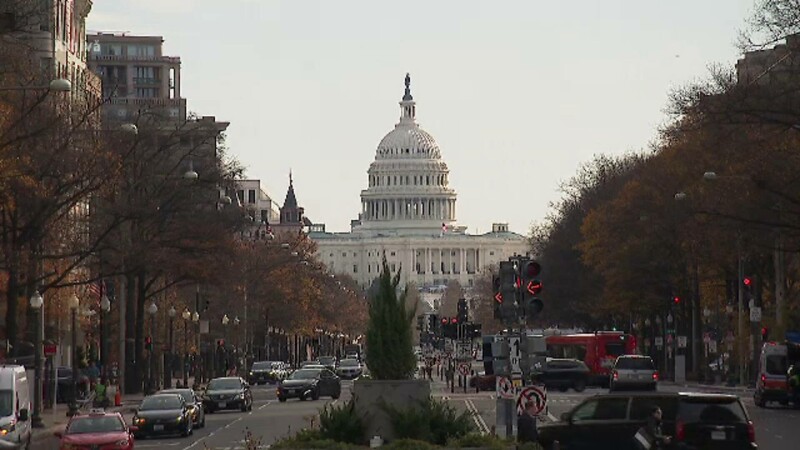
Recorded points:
(96, 430)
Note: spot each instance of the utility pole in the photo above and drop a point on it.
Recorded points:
(740, 325)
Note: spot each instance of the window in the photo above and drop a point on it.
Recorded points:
(392, 254)
(712, 410)
(147, 92)
(776, 365)
(240, 195)
(602, 409)
(634, 364)
(355, 268)
(251, 196)
(344, 254)
(615, 348)
(393, 267)
(641, 407)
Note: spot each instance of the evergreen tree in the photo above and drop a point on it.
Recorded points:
(390, 355)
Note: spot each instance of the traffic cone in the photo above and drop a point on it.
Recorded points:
(118, 397)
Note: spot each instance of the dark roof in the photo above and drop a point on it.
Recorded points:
(291, 200)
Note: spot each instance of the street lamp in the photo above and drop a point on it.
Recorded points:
(710, 176)
(36, 303)
(186, 316)
(190, 174)
(105, 307)
(680, 196)
(152, 309)
(225, 319)
(168, 369)
(74, 303)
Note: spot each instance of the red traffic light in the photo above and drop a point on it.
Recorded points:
(148, 340)
(534, 286)
(764, 331)
(444, 320)
(747, 281)
(454, 320)
(676, 300)
(532, 269)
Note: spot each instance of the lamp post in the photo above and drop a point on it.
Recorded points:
(222, 357)
(36, 303)
(186, 316)
(152, 310)
(199, 369)
(74, 303)
(170, 359)
(105, 307)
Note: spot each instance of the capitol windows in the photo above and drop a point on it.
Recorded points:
(393, 268)
(392, 254)
(344, 254)
(355, 268)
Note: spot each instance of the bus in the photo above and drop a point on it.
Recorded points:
(597, 350)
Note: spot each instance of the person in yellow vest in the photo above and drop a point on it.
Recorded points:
(100, 393)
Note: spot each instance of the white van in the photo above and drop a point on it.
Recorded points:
(15, 407)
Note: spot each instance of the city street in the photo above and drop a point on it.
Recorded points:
(776, 426)
(268, 421)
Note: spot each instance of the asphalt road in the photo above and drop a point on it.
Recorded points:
(776, 427)
(269, 421)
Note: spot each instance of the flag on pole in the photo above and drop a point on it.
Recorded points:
(96, 289)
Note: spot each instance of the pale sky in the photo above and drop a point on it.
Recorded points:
(516, 93)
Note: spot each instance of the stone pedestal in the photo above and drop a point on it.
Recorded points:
(369, 395)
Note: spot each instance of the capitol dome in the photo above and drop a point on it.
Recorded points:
(408, 185)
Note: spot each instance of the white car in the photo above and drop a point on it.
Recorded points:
(349, 369)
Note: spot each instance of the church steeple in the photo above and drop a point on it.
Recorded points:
(291, 213)
(408, 108)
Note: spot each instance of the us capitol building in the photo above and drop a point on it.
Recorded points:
(409, 213)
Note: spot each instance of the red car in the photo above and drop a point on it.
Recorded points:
(97, 430)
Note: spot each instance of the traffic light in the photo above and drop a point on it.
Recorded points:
(220, 342)
(207, 305)
(433, 322)
(509, 286)
(148, 343)
(676, 300)
(450, 327)
(747, 286)
(764, 334)
(531, 286)
(462, 311)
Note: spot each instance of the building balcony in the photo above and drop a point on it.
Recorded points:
(166, 102)
(120, 58)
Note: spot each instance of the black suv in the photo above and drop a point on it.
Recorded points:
(227, 393)
(695, 421)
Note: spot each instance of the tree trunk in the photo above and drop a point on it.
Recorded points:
(139, 342)
(12, 288)
(132, 361)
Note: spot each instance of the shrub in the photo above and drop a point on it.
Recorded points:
(433, 421)
(409, 444)
(310, 439)
(390, 354)
(341, 423)
(473, 440)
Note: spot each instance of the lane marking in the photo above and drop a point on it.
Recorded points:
(229, 425)
(476, 416)
(551, 416)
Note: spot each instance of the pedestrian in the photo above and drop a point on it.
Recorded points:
(650, 436)
(100, 397)
(527, 429)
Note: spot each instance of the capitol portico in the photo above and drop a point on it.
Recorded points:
(409, 215)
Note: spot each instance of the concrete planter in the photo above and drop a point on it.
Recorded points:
(401, 394)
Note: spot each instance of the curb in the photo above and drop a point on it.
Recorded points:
(714, 387)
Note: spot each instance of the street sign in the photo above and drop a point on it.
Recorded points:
(464, 369)
(681, 341)
(464, 349)
(516, 381)
(50, 349)
(537, 394)
(706, 337)
(515, 354)
(659, 341)
(504, 388)
(712, 347)
(755, 314)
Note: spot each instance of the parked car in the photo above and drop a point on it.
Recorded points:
(633, 371)
(162, 414)
(562, 374)
(310, 383)
(97, 429)
(349, 369)
(15, 406)
(695, 420)
(194, 404)
(227, 393)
